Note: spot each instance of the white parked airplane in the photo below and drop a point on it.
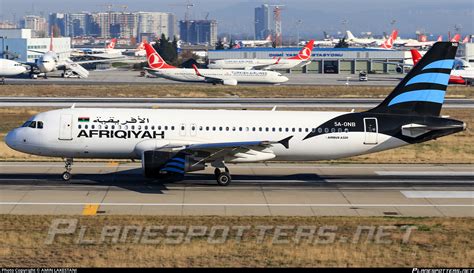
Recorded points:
(159, 68)
(255, 43)
(109, 52)
(138, 52)
(351, 39)
(9, 68)
(304, 56)
(172, 142)
(50, 61)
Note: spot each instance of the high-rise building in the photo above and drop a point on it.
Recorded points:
(198, 31)
(78, 24)
(263, 21)
(37, 24)
(58, 20)
(101, 24)
(155, 24)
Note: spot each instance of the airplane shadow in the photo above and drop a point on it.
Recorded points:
(134, 181)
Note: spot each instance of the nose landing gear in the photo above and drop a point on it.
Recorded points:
(66, 176)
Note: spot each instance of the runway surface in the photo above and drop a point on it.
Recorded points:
(209, 102)
(257, 189)
(121, 76)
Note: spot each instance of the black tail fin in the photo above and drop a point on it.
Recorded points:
(422, 91)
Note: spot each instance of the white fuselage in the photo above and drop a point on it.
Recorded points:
(127, 133)
(266, 64)
(11, 68)
(48, 62)
(243, 76)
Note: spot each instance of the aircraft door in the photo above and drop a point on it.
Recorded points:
(371, 131)
(65, 127)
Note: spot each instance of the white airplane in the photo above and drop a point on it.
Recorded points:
(138, 52)
(159, 68)
(351, 39)
(172, 142)
(9, 68)
(255, 43)
(50, 61)
(424, 43)
(304, 56)
(109, 52)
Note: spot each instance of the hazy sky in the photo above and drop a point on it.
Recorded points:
(431, 16)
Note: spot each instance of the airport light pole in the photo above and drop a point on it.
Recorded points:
(298, 24)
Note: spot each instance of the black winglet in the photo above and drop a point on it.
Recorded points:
(286, 142)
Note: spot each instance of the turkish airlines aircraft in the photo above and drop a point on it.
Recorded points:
(138, 52)
(172, 142)
(109, 52)
(462, 72)
(424, 44)
(160, 68)
(304, 56)
(255, 43)
(351, 39)
(9, 68)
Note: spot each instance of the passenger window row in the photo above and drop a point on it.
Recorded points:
(213, 128)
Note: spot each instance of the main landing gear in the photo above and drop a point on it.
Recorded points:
(66, 176)
(223, 178)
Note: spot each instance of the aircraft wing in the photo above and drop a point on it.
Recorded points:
(243, 150)
(215, 79)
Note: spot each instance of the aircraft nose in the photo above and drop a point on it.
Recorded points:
(10, 139)
(284, 79)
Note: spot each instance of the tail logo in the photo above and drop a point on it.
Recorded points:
(156, 61)
(305, 53)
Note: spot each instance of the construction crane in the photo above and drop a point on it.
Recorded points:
(277, 19)
(188, 6)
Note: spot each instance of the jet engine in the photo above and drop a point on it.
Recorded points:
(229, 82)
(399, 69)
(157, 164)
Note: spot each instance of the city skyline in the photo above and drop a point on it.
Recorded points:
(435, 17)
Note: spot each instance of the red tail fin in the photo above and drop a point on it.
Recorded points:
(112, 43)
(415, 56)
(141, 46)
(456, 38)
(305, 52)
(51, 41)
(440, 38)
(388, 44)
(154, 59)
(269, 38)
(466, 39)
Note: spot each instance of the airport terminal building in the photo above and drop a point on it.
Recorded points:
(325, 60)
(19, 43)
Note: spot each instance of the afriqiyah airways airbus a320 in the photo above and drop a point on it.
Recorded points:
(173, 142)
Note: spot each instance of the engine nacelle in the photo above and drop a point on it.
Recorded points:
(399, 69)
(155, 164)
(229, 82)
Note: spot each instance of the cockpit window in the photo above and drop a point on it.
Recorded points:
(32, 124)
(39, 125)
(26, 123)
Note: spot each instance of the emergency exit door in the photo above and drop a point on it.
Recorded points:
(371, 131)
(65, 127)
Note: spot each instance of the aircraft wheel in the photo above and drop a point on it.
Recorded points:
(66, 176)
(224, 179)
